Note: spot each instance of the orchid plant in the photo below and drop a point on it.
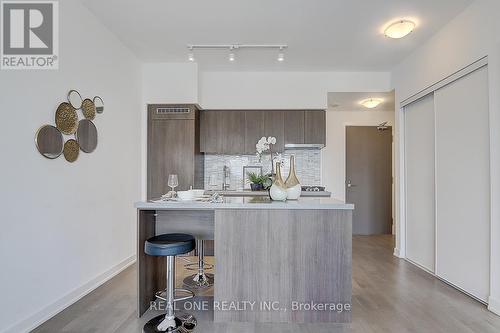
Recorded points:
(264, 145)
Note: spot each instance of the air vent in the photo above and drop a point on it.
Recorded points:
(171, 110)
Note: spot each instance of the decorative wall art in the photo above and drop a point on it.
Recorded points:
(49, 139)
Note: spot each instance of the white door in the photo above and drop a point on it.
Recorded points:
(463, 183)
(420, 189)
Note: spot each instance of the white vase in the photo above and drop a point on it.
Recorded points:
(293, 187)
(278, 193)
(294, 192)
(278, 189)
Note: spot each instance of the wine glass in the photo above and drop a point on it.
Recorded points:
(173, 182)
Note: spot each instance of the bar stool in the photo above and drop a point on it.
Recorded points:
(170, 245)
(200, 279)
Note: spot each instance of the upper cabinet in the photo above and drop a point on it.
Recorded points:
(315, 127)
(274, 125)
(232, 131)
(210, 132)
(294, 127)
(222, 132)
(237, 132)
(254, 129)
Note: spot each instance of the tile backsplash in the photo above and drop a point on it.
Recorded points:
(307, 165)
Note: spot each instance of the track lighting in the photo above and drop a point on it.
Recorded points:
(191, 55)
(281, 55)
(233, 47)
(232, 56)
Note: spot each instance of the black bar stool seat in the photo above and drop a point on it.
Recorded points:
(169, 245)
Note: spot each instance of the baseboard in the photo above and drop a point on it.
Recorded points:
(397, 253)
(51, 310)
(494, 305)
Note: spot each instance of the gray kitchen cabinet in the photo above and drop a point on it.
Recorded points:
(173, 148)
(274, 125)
(237, 132)
(294, 127)
(254, 129)
(210, 132)
(232, 131)
(315, 127)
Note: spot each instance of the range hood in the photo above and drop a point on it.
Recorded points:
(304, 146)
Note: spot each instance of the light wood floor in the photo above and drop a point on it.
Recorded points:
(389, 295)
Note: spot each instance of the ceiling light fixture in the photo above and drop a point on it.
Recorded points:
(399, 29)
(371, 103)
(281, 55)
(232, 56)
(191, 55)
(233, 47)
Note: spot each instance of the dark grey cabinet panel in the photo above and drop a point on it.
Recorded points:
(172, 149)
(315, 127)
(237, 132)
(254, 129)
(210, 132)
(274, 125)
(294, 127)
(232, 131)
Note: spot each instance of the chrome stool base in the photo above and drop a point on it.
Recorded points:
(184, 324)
(194, 266)
(162, 294)
(199, 281)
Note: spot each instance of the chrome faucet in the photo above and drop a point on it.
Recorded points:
(225, 176)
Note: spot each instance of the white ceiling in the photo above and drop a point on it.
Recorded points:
(349, 101)
(340, 35)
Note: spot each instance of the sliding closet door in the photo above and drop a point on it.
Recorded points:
(420, 199)
(463, 183)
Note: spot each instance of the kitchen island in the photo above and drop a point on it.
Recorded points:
(290, 260)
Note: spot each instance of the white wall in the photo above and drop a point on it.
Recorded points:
(333, 155)
(66, 227)
(470, 36)
(164, 83)
(170, 83)
(282, 90)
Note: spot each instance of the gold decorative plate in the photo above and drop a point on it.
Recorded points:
(71, 150)
(66, 118)
(88, 109)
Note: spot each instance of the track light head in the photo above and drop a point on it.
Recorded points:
(232, 56)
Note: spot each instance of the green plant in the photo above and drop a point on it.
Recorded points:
(254, 178)
(264, 180)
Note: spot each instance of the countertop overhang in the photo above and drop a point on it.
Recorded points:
(247, 203)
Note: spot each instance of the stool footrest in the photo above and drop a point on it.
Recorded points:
(162, 294)
(193, 266)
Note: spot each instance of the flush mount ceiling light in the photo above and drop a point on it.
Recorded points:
(371, 103)
(399, 29)
(234, 47)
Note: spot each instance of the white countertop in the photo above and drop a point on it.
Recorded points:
(248, 193)
(246, 203)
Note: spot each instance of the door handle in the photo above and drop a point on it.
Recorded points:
(349, 184)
